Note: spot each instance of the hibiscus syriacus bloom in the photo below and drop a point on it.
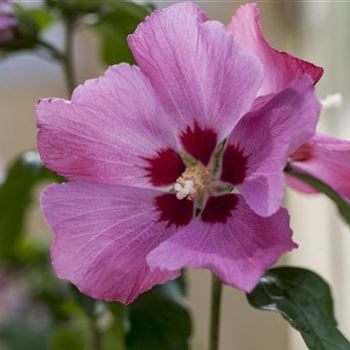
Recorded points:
(325, 158)
(322, 157)
(279, 68)
(8, 23)
(153, 186)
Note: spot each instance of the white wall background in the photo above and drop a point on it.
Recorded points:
(315, 30)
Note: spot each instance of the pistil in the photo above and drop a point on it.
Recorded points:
(194, 182)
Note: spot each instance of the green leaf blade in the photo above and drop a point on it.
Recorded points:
(304, 299)
(16, 193)
(114, 26)
(160, 319)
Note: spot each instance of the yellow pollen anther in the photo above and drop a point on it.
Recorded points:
(194, 182)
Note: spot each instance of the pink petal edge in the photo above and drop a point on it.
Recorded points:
(280, 68)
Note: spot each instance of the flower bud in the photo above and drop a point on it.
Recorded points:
(8, 23)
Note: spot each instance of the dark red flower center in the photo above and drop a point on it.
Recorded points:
(234, 165)
(219, 208)
(302, 154)
(165, 167)
(174, 211)
(192, 183)
(199, 143)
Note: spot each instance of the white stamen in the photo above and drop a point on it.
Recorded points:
(183, 191)
(177, 187)
(332, 101)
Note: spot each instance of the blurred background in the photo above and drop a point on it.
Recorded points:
(315, 30)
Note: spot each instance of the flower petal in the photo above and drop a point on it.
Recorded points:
(280, 68)
(238, 250)
(299, 185)
(328, 160)
(265, 138)
(103, 234)
(113, 131)
(202, 76)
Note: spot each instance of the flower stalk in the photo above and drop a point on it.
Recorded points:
(67, 61)
(95, 335)
(214, 332)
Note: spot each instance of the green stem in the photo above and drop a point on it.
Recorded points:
(214, 331)
(52, 50)
(320, 186)
(95, 335)
(68, 62)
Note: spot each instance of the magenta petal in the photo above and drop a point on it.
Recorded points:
(280, 68)
(165, 167)
(299, 185)
(237, 251)
(199, 143)
(108, 132)
(102, 236)
(265, 138)
(328, 161)
(200, 73)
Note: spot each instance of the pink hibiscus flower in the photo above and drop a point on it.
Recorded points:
(279, 68)
(323, 157)
(153, 188)
(8, 23)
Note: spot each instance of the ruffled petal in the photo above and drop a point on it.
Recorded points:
(259, 146)
(238, 246)
(280, 68)
(327, 159)
(204, 79)
(113, 131)
(103, 234)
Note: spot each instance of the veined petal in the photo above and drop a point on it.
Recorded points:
(113, 131)
(258, 148)
(104, 232)
(238, 248)
(327, 159)
(204, 79)
(280, 68)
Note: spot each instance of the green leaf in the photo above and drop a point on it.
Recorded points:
(304, 299)
(16, 194)
(70, 335)
(113, 339)
(114, 26)
(76, 8)
(42, 18)
(160, 319)
(342, 205)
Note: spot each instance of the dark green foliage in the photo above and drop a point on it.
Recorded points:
(304, 299)
(114, 26)
(160, 319)
(16, 195)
